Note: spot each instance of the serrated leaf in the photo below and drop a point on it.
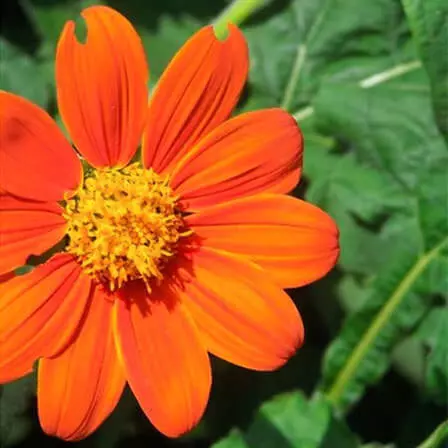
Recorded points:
(356, 196)
(14, 402)
(291, 421)
(390, 125)
(309, 42)
(21, 74)
(391, 129)
(429, 24)
(433, 332)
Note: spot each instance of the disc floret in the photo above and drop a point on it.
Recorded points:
(124, 225)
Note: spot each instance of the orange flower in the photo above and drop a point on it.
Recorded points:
(183, 254)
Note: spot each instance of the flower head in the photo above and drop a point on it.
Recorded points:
(166, 259)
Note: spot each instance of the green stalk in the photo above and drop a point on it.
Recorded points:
(437, 438)
(236, 13)
(348, 371)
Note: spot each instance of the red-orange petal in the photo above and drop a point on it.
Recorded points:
(296, 242)
(39, 313)
(166, 365)
(36, 161)
(102, 87)
(196, 93)
(243, 316)
(79, 388)
(256, 152)
(27, 228)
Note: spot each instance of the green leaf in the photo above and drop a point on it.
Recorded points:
(21, 74)
(234, 440)
(378, 445)
(352, 193)
(391, 131)
(14, 402)
(308, 42)
(428, 21)
(291, 421)
(434, 333)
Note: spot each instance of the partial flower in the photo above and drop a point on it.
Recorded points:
(183, 253)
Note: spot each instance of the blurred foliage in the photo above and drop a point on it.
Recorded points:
(368, 84)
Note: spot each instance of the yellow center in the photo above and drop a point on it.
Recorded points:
(124, 225)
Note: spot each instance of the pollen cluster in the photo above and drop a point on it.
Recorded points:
(124, 225)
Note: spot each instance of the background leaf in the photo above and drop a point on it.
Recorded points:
(19, 74)
(15, 400)
(308, 42)
(428, 21)
(391, 132)
(291, 421)
(434, 333)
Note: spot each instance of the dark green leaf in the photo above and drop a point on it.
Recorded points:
(234, 440)
(325, 39)
(428, 21)
(291, 421)
(391, 130)
(15, 400)
(356, 196)
(434, 333)
(21, 74)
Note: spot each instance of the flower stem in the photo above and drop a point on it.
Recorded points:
(236, 12)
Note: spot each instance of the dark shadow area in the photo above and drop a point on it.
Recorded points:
(17, 28)
(274, 7)
(384, 409)
(147, 14)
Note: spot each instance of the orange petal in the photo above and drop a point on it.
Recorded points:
(294, 240)
(197, 92)
(78, 389)
(252, 153)
(102, 87)
(36, 160)
(39, 313)
(166, 366)
(27, 228)
(243, 316)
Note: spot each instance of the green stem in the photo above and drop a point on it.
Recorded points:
(303, 114)
(294, 78)
(345, 376)
(236, 12)
(392, 73)
(436, 439)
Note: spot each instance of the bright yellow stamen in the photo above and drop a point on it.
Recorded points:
(124, 225)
